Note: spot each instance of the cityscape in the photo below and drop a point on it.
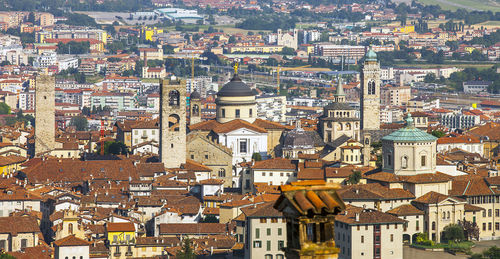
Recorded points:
(249, 129)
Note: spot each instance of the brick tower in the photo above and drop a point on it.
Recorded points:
(172, 122)
(44, 114)
(195, 108)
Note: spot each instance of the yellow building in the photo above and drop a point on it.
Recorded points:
(121, 238)
(405, 29)
(147, 32)
(10, 164)
(469, 49)
(351, 153)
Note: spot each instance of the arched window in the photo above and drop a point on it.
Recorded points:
(348, 126)
(340, 126)
(222, 172)
(70, 228)
(404, 162)
(371, 87)
(173, 122)
(433, 225)
(196, 110)
(174, 98)
(448, 215)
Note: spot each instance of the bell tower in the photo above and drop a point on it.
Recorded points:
(194, 108)
(370, 92)
(45, 121)
(172, 122)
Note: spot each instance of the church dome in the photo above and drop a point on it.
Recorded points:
(371, 55)
(409, 134)
(235, 88)
(298, 138)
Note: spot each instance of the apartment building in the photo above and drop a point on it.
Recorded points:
(338, 51)
(271, 108)
(367, 233)
(395, 96)
(460, 121)
(115, 101)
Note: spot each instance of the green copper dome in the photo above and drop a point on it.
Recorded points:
(409, 134)
(371, 55)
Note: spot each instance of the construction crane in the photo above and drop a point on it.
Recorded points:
(279, 69)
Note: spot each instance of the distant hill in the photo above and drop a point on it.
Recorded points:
(470, 5)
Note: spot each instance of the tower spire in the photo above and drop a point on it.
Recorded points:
(339, 94)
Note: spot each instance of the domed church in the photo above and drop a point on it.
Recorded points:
(235, 100)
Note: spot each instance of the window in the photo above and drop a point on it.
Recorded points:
(433, 225)
(237, 113)
(417, 228)
(489, 213)
(268, 256)
(280, 231)
(70, 228)
(174, 98)
(392, 237)
(222, 172)
(310, 231)
(281, 244)
(223, 113)
(484, 213)
(497, 226)
(257, 244)
(389, 159)
(257, 233)
(423, 160)
(497, 213)
(268, 231)
(24, 243)
(243, 146)
(489, 226)
(250, 112)
(268, 245)
(362, 239)
(280, 257)
(2, 245)
(484, 226)
(274, 220)
(404, 162)
(263, 220)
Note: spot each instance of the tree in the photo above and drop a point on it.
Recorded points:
(288, 51)
(86, 111)
(4, 108)
(232, 39)
(6, 256)
(438, 133)
(453, 232)
(355, 177)
(471, 230)
(80, 123)
(430, 78)
(31, 18)
(113, 147)
(492, 252)
(187, 251)
(256, 157)
(210, 219)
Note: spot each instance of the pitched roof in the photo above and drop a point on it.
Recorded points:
(265, 210)
(473, 186)
(237, 124)
(19, 224)
(433, 198)
(405, 210)
(205, 125)
(355, 215)
(71, 240)
(373, 191)
(120, 227)
(275, 163)
(270, 124)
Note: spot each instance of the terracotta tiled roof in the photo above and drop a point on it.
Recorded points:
(469, 207)
(459, 139)
(433, 198)
(265, 210)
(191, 165)
(38, 252)
(205, 125)
(373, 191)
(428, 178)
(158, 241)
(211, 211)
(275, 163)
(237, 124)
(71, 240)
(474, 186)
(383, 177)
(311, 174)
(265, 124)
(212, 182)
(120, 227)
(355, 215)
(15, 225)
(405, 210)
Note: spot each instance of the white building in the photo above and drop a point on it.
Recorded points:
(276, 171)
(367, 233)
(67, 63)
(459, 121)
(71, 247)
(271, 108)
(473, 87)
(468, 143)
(45, 60)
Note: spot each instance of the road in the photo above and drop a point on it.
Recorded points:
(412, 253)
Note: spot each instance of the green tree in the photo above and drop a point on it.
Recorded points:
(355, 177)
(6, 256)
(80, 78)
(288, 51)
(4, 108)
(438, 133)
(453, 232)
(210, 219)
(86, 111)
(113, 148)
(80, 123)
(430, 78)
(256, 157)
(492, 253)
(232, 39)
(187, 251)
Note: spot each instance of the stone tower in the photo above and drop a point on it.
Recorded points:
(367, 141)
(370, 92)
(195, 108)
(172, 122)
(45, 121)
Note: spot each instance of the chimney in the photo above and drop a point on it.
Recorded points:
(357, 217)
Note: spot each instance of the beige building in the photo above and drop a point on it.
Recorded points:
(367, 233)
(288, 39)
(395, 96)
(153, 72)
(18, 232)
(265, 232)
(414, 221)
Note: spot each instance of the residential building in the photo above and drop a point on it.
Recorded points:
(474, 87)
(18, 233)
(271, 108)
(115, 101)
(460, 121)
